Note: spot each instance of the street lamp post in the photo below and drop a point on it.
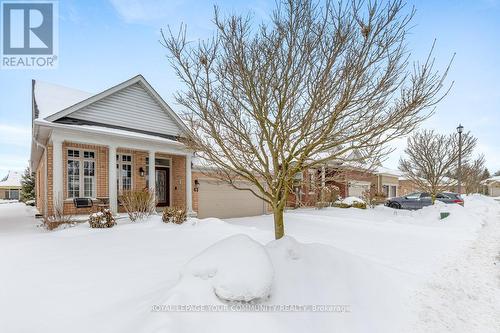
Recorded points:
(460, 129)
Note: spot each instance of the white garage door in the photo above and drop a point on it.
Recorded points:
(218, 199)
(495, 191)
(357, 188)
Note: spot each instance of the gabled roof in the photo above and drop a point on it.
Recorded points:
(53, 102)
(13, 179)
(491, 180)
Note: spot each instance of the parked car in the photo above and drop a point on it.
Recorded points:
(419, 200)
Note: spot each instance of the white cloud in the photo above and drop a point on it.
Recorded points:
(14, 147)
(14, 136)
(145, 10)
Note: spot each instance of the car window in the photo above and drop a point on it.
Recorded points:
(425, 195)
(442, 196)
(413, 196)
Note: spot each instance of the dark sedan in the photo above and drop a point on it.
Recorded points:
(421, 199)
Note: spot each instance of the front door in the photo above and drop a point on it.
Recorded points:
(163, 186)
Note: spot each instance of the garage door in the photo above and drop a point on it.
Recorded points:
(218, 199)
(357, 188)
(495, 191)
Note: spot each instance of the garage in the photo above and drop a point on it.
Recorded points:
(218, 199)
(358, 188)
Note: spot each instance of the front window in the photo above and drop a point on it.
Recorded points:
(124, 172)
(81, 182)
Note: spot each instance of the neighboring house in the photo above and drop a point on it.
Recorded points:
(388, 181)
(97, 146)
(347, 180)
(10, 186)
(407, 186)
(493, 186)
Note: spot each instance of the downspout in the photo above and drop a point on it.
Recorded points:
(34, 115)
(45, 183)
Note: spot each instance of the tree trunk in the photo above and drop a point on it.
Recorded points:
(279, 226)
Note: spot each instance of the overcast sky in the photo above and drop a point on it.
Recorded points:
(105, 42)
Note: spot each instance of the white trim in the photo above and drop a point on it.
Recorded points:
(87, 135)
(112, 190)
(57, 171)
(136, 79)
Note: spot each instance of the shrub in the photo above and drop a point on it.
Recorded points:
(102, 219)
(175, 215)
(51, 222)
(340, 204)
(360, 205)
(138, 204)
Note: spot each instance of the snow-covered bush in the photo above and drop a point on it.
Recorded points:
(138, 204)
(174, 215)
(340, 204)
(102, 219)
(350, 202)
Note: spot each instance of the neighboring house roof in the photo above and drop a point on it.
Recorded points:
(383, 171)
(13, 179)
(491, 180)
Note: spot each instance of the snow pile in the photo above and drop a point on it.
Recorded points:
(237, 268)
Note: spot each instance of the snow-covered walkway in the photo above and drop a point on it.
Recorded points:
(465, 295)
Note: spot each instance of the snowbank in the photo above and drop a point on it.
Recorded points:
(371, 261)
(237, 268)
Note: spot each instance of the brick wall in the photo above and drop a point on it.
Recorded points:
(178, 176)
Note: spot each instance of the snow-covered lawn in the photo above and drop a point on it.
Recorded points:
(377, 270)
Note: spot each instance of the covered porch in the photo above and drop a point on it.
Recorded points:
(81, 164)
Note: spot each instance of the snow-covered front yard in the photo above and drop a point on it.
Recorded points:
(375, 270)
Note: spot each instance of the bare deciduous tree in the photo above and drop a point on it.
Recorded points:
(431, 157)
(316, 82)
(473, 173)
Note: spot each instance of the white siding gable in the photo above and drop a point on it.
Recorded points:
(132, 107)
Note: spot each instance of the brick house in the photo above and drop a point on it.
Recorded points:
(126, 133)
(10, 186)
(347, 180)
(82, 140)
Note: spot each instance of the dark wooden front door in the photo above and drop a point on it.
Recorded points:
(163, 186)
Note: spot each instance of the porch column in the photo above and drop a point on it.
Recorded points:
(189, 192)
(57, 173)
(113, 195)
(152, 173)
(323, 176)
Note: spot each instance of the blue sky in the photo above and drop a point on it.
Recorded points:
(102, 43)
